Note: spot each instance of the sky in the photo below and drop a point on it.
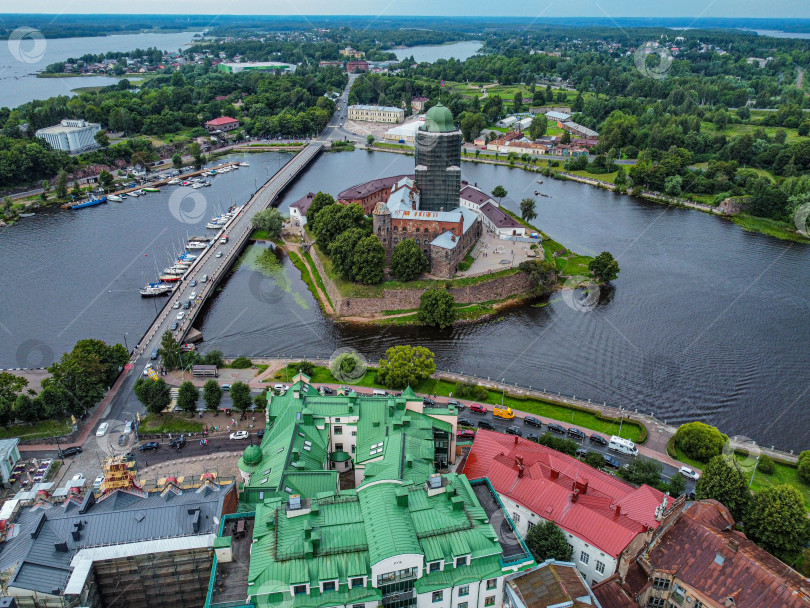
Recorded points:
(797, 9)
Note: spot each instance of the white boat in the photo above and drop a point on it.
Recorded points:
(176, 272)
(214, 225)
(27, 214)
(196, 245)
(199, 185)
(155, 289)
(174, 182)
(133, 193)
(114, 198)
(244, 164)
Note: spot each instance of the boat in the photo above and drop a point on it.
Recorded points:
(155, 289)
(174, 182)
(114, 198)
(169, 278)
(211, 173)
(90, 202)
(244, 164)
(196, 245)
(151, 189)
(27, 214)
(123, 196)
(199, 185)
(134, 193)
(186, 183)
(141, 192)
(539, 181)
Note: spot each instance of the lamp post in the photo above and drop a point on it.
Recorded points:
(621, 422)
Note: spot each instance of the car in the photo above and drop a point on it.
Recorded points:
(218, 255)
(102, 429)
(260, 433)
(70, 451)
(193, 283)
(226, 387)
(556, 428)
(582, 452)
(611, 462)
(97, 482)
(486, 424)
(477, 408)
(689, 473)
(204, 278)
(146, 369)
(148, 446)
(598, 439)
(465, 434)
(173, 326)
(187, 304)
(192, 295)
(280, 387)
(176, 305)
(454, 402)
(122, 439)
(532, 437)
(178, 442)
(325, 390)
(181, 315)
(532, 421)
(514, 430)
(572, 432)
(465, 422)
(428, 401)
(239, 435)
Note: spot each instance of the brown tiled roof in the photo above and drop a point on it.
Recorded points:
(551, 584)
(368, 188)
(474, 195)
(611, 594)
(303, 204)
(702, 549)
(498, 217)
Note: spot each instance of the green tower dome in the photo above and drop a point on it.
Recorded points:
(439, 120)
(252, 455)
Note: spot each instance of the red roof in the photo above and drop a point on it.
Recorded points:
(607, 513)
(222, 120)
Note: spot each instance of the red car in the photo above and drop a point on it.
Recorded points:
(465, 434)
(478, 409)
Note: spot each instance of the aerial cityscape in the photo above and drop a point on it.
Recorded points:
(456, 305)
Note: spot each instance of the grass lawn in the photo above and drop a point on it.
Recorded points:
(305, 275)
(259, 234)
(44, 428)
(318, 278)
(603, 177)
(733, 130)
(781, 230)
(384, 145)
(169, 423)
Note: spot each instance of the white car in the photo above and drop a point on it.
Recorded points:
(219, 254)
(176, 304)
(239, 435)
(192, 295)
(280, 387)
(97, 482)
(181, 315)
(689, 473)
(102, 429)
(146, 369)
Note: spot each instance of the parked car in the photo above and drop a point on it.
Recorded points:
(477, 408)
(598, 439)
(532, 421)
(465, 434)
(149, 446)
(689, 473)
(239, 435)
(572, 432)
(582, 452)
(102, 429)
(325, 390)
(532, 437)
(465, 422)
(456, 403)
(486, 424)
(178, 442)
(122, 439)
(70, 451)
(556, 428)
(611, 462)
(280, 387)
(428, 401)
(514, 430)
(97, 482)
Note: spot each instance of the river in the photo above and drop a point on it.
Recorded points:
(430, 53)
(706, 321)
(19, 65)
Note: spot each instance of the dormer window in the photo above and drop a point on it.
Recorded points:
(462, 561)
(435, 566)
(329, 586)
(300, 589)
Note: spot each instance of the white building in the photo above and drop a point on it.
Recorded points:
(524, 123)
(405, 132)
(376, 113)
(71, 135)
(506, 122)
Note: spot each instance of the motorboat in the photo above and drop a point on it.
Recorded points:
(155, 289)
(151, 189)
(199, 185)
(170, 278)
(196, 245)
(134, 193)
(114, 198)
(174, 182)
(244, 164)
(90, 202)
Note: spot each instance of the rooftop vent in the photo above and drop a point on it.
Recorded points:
(294, 502)
(61, 547)
(719, 559)
(435, 481)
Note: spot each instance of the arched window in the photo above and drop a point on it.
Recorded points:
(418, 242)
(395, 239)
(395, 228)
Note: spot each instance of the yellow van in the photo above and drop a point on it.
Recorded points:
(503, 412)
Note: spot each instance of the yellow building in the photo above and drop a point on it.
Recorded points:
(376, 113)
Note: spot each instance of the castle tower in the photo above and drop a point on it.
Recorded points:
(438, 161)
(381, 226)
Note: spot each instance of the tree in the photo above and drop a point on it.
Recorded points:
(269, 220)
(546, 541)
(777, 521)
(566, 138)
(77, 189)
(11, 385)
(407, 260)
(61, 189)
(187, 397)
(405, 366)
(212, 395)
(579, 103)
(700, 441)
(518, 102)
(437, 307)
(46, 187)
(538, 127)
(723, 481)
(333, 220)
(240, 395)
(153, 394)
(195, 150)
(27, 409)
(527, 209)
(595, 460)
(604, 267)
(102, 139)
(803, 466)
(499, 192)
(341, 252)
(370, 139)
(673, 184)
(471, 125)
(566, 446)
(676, 485)
(319, 201)
(368, 261)
(106, 180)
(643, 471)
(620, 182)
(170, 351)
(766, 465)
(177, 161)
(260, 400)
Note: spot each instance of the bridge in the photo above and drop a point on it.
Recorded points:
(214, 268)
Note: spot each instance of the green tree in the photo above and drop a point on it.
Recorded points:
(240, 395)
(766, 465)
(673, 184)
(106, 180)
(538, 127)
(405, 366)
(566, 138)
(803, 466)
(260, 400)
(643, 471)
(676, 485)
(341, 252)
(604, 267)
(319, 201)
(241, 363)
(777, 522)
(566, 446)
(269, 220)
(620, 182)
(518, 102)
(368, 263)
(177, 161)
(77, 189)
(153, 394)
(595, 460)
(61, 189)
(546, 541)
(437, 307)
(27, 409)
(102, 139)
(471, 125)
(187, 397)
(407, 260)
(527, 209)
(723, 481)
(195, 150)
(212, 395)
(347, 367)
(46, 187)
(170, 351)
(579, 103)
(370, 139)
(499, 192)
(333, 220)
(11, 385)
(700, 441)
(7, 205)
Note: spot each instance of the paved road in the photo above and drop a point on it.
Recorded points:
(335, 129)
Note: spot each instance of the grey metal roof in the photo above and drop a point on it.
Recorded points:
(122, 517)
(6, 445)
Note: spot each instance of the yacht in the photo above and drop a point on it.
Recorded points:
(133, 193)
(196, 245)
(202, 184)
(174, 182)
(244, 164)
(170, 278)
(155, 289)
(114, 198)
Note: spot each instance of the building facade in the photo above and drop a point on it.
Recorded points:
(356, 66)
(298, 210)
(438, 161)
(376, 113)
(223, 123)
(369, 193)
(71, 135)
(9, 455)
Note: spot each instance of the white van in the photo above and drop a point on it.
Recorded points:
(622, 446)
(379, 393)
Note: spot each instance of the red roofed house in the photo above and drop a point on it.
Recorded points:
(602, 516)
(223, 123)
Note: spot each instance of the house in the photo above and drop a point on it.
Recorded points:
(579, 130)
(418, 103)
(524, 123)
(356, 66)
(558, 117)
(506, 122)
(698, 559)
(9, 455)
(298, 210)
(601, 516)
(223, 123)
(352, 53)
(376, 113)
(552, 584)
(499, 222)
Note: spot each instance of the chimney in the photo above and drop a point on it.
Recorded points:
(554, 474)
(574, 495)
(519, 460)
(516, 440)
(582, 486)
(453, 238)
(520, 471)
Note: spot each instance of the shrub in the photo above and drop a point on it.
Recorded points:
(470, 391)
(305, 367)
(766, 465)
(700, 441)
(241, 363)
(803, 466)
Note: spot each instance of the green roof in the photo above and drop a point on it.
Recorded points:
(339, 456)
(439, 120)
